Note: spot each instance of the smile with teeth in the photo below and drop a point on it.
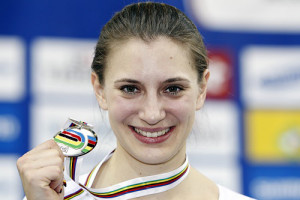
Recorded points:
(152, 134)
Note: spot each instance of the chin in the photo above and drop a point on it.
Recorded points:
(153, 156)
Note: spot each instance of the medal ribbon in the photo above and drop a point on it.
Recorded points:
(141, 186)
(73, 165)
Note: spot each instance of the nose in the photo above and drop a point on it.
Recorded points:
(152, 110)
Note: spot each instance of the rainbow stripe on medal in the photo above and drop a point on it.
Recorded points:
(77, 139)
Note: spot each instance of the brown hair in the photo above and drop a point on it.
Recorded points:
(147, 21)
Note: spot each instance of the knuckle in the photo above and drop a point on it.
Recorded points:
(21, 163)
(58, 161)
(58, 170)
(61, 161)
(57, 152)
(59, 155)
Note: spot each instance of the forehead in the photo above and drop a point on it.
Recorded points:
(139, 56)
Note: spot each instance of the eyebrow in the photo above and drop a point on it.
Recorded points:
(170, 80)
(127, 80)
(176, 79)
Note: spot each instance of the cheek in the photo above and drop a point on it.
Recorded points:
(183, 110)
(120, 109)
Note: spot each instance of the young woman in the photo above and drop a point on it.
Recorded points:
(150, 74)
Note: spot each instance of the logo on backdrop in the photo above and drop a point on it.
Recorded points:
(271, 77)
(220, 85)
(61, 67)
(282, 79)
(273, 136)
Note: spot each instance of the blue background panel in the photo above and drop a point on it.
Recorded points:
(59, 18)
(274, 182)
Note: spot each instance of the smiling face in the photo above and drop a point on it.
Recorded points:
(151, 93)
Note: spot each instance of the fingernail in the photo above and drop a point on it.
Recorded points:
(60, 191)
(65, 183)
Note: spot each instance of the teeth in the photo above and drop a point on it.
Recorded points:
(152, 134)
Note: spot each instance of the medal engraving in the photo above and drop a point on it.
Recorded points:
(64, 148)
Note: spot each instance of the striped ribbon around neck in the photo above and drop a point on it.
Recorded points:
(134, 188)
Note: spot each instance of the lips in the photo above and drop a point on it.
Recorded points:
(152, 136)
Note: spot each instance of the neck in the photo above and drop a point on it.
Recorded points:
(122, 167)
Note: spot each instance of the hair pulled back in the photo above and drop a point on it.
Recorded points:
(148, 21)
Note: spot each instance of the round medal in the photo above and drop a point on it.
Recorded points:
(76, 139)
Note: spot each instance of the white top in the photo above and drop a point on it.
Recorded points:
(226, 194)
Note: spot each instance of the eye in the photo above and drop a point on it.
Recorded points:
(130, 89)
(173, 90)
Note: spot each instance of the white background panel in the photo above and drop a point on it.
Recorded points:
(247, 15)
(216, 130)
(10, 182)
(271, 77)
(61, 67)
(12, 69)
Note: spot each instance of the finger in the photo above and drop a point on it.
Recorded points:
(49, 144)
(62, 193)
(45, 145)
(43, 163)
(40, 180)
(45, 155)
(57, 185)
(55, 146)
(58, 189)
(50, 175)
(40, 159)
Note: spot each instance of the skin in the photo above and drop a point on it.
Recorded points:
(151, 86)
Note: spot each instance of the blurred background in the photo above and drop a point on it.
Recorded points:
(247, 136)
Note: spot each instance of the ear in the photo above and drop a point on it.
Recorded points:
(99, 91)
(202, 90)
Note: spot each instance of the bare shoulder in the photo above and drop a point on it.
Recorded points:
(199, 187)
